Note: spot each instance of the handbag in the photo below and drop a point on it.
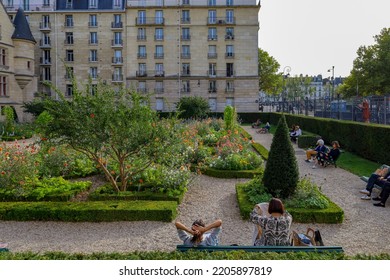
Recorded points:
(301, 239)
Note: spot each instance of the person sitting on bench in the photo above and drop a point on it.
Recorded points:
(197, 236)
(265, 128)
(385, 193)
(256, 124)
(379, 177)
(275, 227)
(319, 148)
(324, 158)
(295, 134)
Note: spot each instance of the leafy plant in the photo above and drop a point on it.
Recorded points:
(195, 107)
(255, 191)
(230, 117)
(307, 196)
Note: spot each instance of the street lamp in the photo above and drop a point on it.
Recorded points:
(286, 73)
(332, 69)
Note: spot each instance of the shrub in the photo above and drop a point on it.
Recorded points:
(230, 117)
(193, 107)
(307, 196)
(263, 152)
(281, 172)
(255, 191)
(235, 161)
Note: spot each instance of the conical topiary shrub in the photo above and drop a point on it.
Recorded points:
(281, 172)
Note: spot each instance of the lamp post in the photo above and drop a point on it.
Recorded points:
(286, 73)
(332, 69)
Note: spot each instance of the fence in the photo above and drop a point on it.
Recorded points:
(343, 109)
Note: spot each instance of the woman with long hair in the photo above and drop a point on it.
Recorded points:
(197, 235)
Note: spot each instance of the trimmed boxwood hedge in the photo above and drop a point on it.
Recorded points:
(231, 173)
(261, 150)
(370, 141)
(332, 215)
(95, 211)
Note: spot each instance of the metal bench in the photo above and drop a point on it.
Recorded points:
(279, 249)
(365, 178)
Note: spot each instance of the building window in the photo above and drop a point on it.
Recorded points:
(213, 104)
(211, 2)
(185, 16)
(185, 69)
(212, 51)
(117, 38)
(118, 56)
(117, 4)
(45, 22)
(212, 86)
(69, 38)
(159, 34)
(93, 57)
(159, 70)
(229, 86)
(93, 4)
(69, 20)
(185, 35)
(117, 76)
(69, 56)
(141, 17)
(3, 86)
(46, 75)
(159, 17)
(230, 101)
(141, 34)
(229, 51)
(212, 19)
(46, 3)
(229, 3)
(229, 33)
(185, 2)
(93, 21)
(229, 70)
(212, 70)
(159, 87)
(9, 3)
(159, 52)
(186, 86)
(212, 35)
(230, 16)
(93, 89)
(159, 104)
(93, 39)
(93, 72)
(69, 90)
(142, 51)
(142, 87)
(69, 4)
(69, 73)
(2, 57)
(185, 51)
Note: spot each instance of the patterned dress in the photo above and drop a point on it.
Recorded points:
(275, 231)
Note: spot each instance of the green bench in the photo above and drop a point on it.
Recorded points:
(365, 178)
(261, 249)
(4, 250)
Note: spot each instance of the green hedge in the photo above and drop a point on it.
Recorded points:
(263, 152)
(307, 141)
(244, 133)
(231, 173)
(96, 211)
(370, 141)
(332, 215)
(142, 195)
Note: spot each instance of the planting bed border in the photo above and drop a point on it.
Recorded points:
(228, 174)
(93, 211)
(332, 215)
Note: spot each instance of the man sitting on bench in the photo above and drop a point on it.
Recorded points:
(196, 235)
(380, 178)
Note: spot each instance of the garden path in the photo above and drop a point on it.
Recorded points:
(363, 231)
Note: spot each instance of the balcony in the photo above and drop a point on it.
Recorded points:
(229, 55)
(159, 73)
(117, 43)
(212, 37)
(159, 55)
(116, 25)
(68, 42)
(93, 42)
(186, 38)
(141, 73)
(158, 37)
(141, 37)
(92, 24)
(229, 37)
(155, 73)
(150, 21)
(213, 90)
(212, 55)
(221, 74)
(185, 73)
(44, 26)
(45, 44)
(117, 78)
(185, 20)
(141, 55)
(68, 24)
(45, 61)
(159, 90)
(229, 90)
(117, 60)
(221, 21)
(185, 55)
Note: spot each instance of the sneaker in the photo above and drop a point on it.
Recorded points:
(314, 167)
(307, 160)
(379, 204)
(364, 191)
(366, 197)
(377, 198)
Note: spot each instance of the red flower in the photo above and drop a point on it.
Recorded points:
(92, 115)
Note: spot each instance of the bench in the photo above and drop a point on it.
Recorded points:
(261, 249)
(4, 250)
(365, 178)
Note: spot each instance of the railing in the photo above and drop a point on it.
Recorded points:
(68, 42)
(185, 55)
(186, 73)
(117, 60)
(117, 43)
(44, 26)
(158, 37)
(185, 90)
(142, 73)
(46, 61)
(4, 67)
(229, 55)
(221, 73)
(149, 21)
(229, 90)
(229, 37)
(155, 73)
(159, 55)
(212, 55)
(69, 59)
(93, 42)
(92, 59)
(68, 24)
(30, 7)
(93, 24)
(142, 90)
(212, 37)
(221, 20)
(117, 77)
(186, 38)
(186, 20)
(116, 25)
(213, 90)
(44, 43)
(141, 37)
(141, 55)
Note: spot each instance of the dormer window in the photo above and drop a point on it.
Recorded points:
(93, 4)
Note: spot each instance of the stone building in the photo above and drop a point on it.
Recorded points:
(18, 82)
(167, 48)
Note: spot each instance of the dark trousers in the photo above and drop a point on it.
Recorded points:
(385, 193)
(374, 179)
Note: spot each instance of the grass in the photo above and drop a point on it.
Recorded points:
(356, 165)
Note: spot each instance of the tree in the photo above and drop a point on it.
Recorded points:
(193, 107)
(281, 173)
(117, 130)
(230, 117)
(370, 74)
(270, 81)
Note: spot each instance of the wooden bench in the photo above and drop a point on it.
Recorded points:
(365, 178)
(260, 249)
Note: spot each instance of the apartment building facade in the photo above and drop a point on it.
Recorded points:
(165, 48)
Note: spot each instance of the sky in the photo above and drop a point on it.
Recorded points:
(312, 36)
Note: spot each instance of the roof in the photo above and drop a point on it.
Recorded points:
(22, 27)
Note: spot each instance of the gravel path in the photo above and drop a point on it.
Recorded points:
(363, 231)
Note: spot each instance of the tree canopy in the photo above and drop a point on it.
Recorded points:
(371, 69)
(270, 81)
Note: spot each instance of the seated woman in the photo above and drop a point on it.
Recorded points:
(332, 155)
(265, 128)
(275, 227)
(256, 124)
(197, 236)
(295, 134)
